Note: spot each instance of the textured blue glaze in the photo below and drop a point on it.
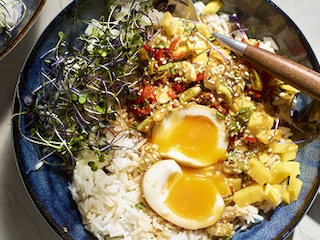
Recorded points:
(48, 187)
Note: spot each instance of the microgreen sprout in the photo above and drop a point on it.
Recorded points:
(84, 86)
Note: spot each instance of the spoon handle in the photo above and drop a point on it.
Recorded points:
(295, 74)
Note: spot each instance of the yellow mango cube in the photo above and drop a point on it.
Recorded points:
(169, 24)
(290, 154)
(249, 195)
(258, 171)
(264, 137)
(286, 196)
(201, 59)
(260, 121)
(264, 157)
(212, 7)
(294, 188)
(198, 45)
(272, 194)
(278, 147)
(282, 170)
(235, 183)
(204, 30)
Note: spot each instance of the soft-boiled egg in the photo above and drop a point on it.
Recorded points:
(192, 135)
(184, 196)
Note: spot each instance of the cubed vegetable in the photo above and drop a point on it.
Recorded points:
(260, 121)
(169, 24)
(235, 183)
(204, 30)
(290, 154)
(201, 59)
(286, 196)
(272, 194)
(258, 171)
(264, 136)
(212, 7)
(278, 147)
(263, 157)
(282, 170)
(249, 195)
(197, 45)
(294, 187)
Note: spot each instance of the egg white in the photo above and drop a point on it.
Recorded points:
(155, 192)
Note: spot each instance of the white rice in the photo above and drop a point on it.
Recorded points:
(108, 200)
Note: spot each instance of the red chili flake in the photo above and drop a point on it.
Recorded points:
(220, 108)
(249, 139)
(147, 47)
(200, 76)
(178, 87)
(171, 93)
(256, 95)
(148, 94)
(160, 56)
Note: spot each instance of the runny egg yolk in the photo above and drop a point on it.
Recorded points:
(184, 196)
(193, 136)
(193, 195)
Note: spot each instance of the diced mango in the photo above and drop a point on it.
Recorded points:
(278, 147)
(286, 196)
(272, 194)
(235, 183)
(204, 30)
(241, 102)
(201, 59)
(263, 136)
(198, 45)
(263, 157)
(266, 136)
(282, 170)
(223, 52)
(249, 195)
(169, 24)
(260, 121)
(258, 171)
(276, 134)
(212, 7)
(294, 188)
(290, 154)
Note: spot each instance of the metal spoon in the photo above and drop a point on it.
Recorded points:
(295, 74)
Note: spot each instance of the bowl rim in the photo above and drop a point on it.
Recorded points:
(17, 154)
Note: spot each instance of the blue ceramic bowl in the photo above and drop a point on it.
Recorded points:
(8, 42)
(48, 187)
